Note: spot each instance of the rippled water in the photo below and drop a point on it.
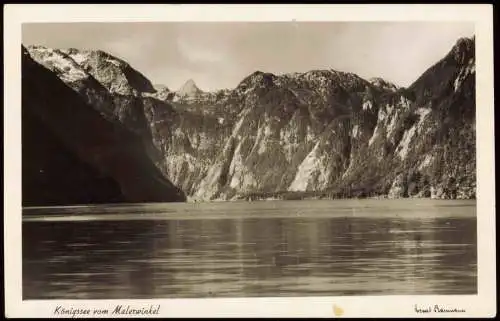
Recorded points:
(234, 249)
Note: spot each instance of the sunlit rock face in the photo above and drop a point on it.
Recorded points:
(321, 133)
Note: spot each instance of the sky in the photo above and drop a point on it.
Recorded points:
(219, 55)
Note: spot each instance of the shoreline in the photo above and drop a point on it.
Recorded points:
(90, 205)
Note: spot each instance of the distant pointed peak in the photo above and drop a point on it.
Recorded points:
(189, 89)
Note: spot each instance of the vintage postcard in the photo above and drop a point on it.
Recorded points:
(249, 160)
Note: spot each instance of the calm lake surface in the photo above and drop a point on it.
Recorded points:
(240, 249)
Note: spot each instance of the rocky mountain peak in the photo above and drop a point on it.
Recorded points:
(58, 62)
(383, 84)
(459, 62)
(463, 49)
(257, 79)
(112, 72)
(189, 89)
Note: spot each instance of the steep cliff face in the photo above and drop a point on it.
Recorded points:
(188, 141)
(448, 89)
(321, 133)
(73, 155)
(334, 134)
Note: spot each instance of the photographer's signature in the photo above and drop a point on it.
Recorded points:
(438, 309)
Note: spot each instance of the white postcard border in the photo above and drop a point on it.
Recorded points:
(481, 305)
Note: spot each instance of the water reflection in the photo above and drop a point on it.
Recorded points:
(293, 256)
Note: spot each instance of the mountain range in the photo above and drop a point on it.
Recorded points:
(318, 134)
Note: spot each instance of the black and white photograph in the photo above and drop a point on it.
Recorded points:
(248, 159)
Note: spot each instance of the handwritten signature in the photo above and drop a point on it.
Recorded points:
(438, 309)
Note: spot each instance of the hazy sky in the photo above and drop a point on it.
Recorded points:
(219, 55)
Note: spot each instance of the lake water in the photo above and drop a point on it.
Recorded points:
(240, 249)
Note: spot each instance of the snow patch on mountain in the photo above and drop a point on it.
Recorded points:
(55, 60)
(77, 56)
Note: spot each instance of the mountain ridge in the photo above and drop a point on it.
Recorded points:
(323, 132)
